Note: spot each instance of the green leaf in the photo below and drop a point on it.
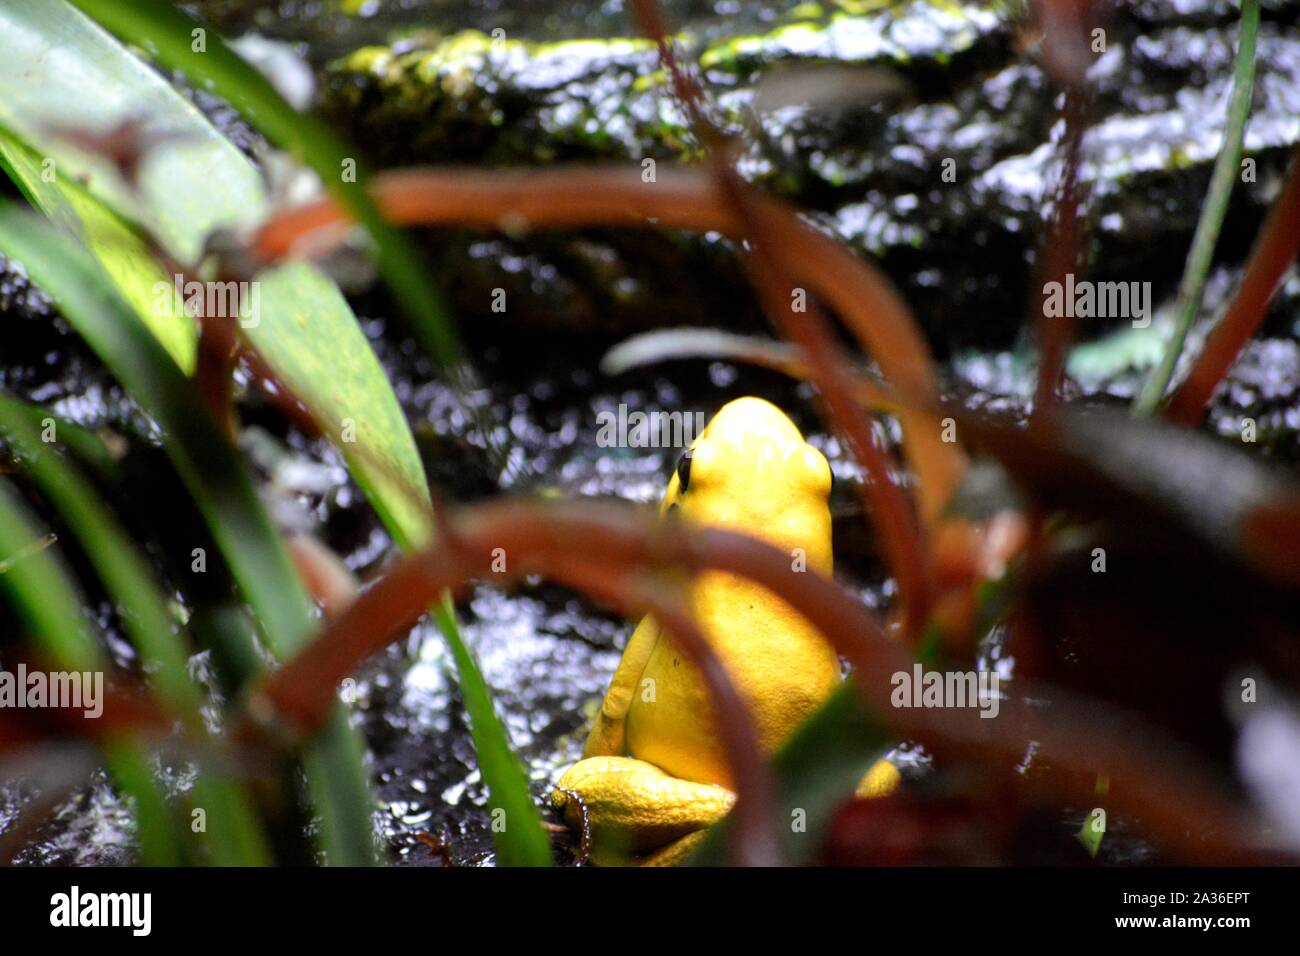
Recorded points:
(1227, 167)
(122, 253)
(42, 592)
(816, 770)
(113, 554)
(194, 182)
(223, 492)
(168, 34)
(521, 841)
(61, 69)
(1092, 832)
(130, 764)
(1119, 352)
(310, 337)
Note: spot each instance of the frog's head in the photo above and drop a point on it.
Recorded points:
(750, 470)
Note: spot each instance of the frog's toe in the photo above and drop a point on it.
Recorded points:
(880, 781)
(635, 806)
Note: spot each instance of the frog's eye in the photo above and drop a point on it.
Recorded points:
(683, 472)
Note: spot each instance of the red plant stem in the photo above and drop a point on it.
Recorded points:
(214, 365)
(1065, 28)
(651, 21)
(1075, 740)
(126, 710)
(1274, 250)
(1060, 255)
(221, 343)
(854, 289)
(881, 496)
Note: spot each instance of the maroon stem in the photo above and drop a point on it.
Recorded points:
(1275, 249)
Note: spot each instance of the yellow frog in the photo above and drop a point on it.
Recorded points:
(653, 773)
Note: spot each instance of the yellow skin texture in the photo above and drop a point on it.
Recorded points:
(654, 772)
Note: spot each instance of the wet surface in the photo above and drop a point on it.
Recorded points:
(547, 654)
(944, 88)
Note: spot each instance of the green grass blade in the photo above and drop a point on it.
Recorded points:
(115, 558)
(217, 481)
(156, 827)
(84, 445)
(235, 838)
(52, 612)
(1227, 167)
(310, 337)
(516, 824)
(387, 467)
(42, 592)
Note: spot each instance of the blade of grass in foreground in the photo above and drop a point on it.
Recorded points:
(224, 494)
(1226, 169)
(516, 824)
(168, 34)
(235, 837)
(309, 337)
(52, 613)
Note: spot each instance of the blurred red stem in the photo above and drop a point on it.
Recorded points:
(1074, 741)
(1060, 255)
(679, 198)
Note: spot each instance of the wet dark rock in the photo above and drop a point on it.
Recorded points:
(1259, 402)
(962, 251)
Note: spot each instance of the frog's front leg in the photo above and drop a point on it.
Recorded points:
(632, 807)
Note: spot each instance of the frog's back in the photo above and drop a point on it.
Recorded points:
(751, 471)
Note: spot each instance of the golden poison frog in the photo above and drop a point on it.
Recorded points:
(654, 773)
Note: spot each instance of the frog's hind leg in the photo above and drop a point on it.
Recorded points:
(632, 807)
(608, 731)
(675, 852)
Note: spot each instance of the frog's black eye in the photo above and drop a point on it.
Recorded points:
(683, 472)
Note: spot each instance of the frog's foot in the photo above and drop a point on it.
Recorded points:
(629, 807)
